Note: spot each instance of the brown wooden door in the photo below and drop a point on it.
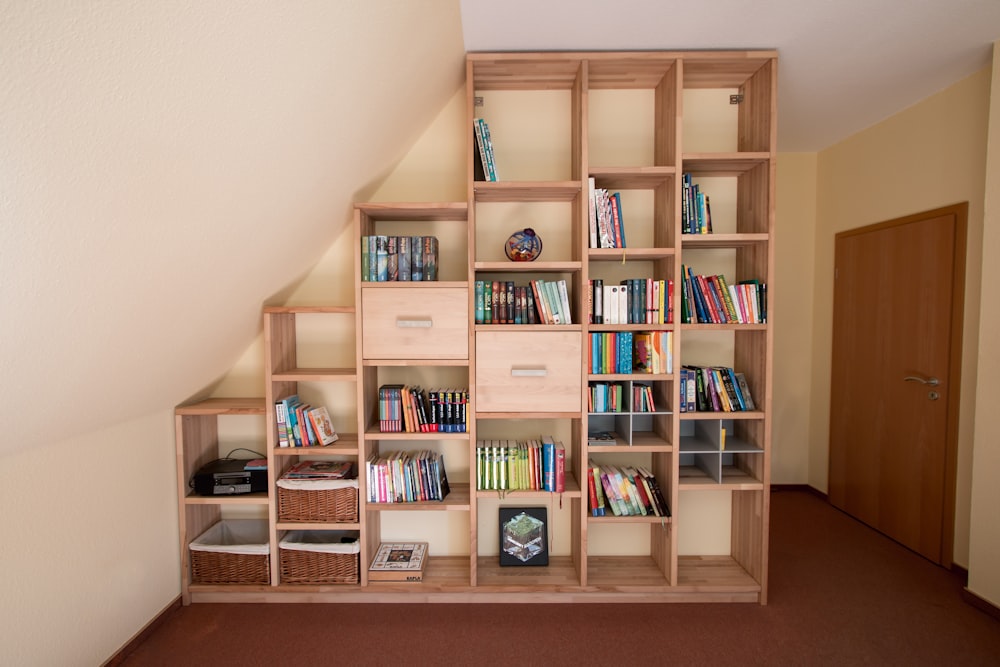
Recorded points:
(896, 359)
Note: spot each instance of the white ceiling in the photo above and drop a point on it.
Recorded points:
(843, 66)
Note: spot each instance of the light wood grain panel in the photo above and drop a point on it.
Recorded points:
(504, 364)
(388, 314)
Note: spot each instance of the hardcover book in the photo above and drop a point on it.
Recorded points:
(323, 426)
(399, 561)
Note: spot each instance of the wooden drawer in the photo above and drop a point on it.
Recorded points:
(415, 323)
(534, 371)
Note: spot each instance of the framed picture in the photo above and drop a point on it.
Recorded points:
(524, 536)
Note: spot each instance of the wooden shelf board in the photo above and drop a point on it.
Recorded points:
(347, 445)
(723, 164)
(626, 254)
(572, 491)
(316, 525)
(441, 573)
(458, 500)
(722, 69)
(297, 310)
(223, 406)
(624, 572)
(416, 593)
(559, 573)
(707, 414)
(316, 375)
(413, 284)
(374, 434)
(526, 191)
(393, 211)
(628, 413)
(723, 241)
(659, 446)
(638, 377)
(632, 178)
(528, 327)
(529, 267)
(723, 327)
(659, 520)
(258, 498)
(527, 415)
(524, 71)
(415, 362)
(705, 573)
(733, 479)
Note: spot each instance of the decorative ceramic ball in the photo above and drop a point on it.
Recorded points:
(523, 246)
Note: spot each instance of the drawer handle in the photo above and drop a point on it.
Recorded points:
(528, 372)
(415, 323)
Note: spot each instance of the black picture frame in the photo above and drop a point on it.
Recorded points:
(524, 536)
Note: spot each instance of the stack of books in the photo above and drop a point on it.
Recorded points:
(624, 491)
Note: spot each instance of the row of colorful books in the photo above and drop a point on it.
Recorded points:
(714, 389)
(485, 144)
(711, 299)
(611, 397)
(406, 477)
(632, 301)
(696, 208)
(538, 302)
(606, 221)
(404, 258)
(411, 409)
(628, 352)
(521, 465)
(302, 425)
(624, 491)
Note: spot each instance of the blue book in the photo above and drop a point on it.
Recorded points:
(548, 463)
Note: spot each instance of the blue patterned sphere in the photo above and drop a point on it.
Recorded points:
(523, 246)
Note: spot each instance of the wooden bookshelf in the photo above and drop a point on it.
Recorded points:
(641, 150)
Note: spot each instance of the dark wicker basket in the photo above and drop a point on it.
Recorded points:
(328, 505)
(215, 567)
(313, 567)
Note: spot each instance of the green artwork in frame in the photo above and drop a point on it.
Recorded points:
(524, 536)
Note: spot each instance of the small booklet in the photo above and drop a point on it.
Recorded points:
(319, 470)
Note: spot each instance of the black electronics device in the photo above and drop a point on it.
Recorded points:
(226, 477)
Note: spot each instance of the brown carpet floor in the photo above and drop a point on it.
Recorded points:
(840, 594)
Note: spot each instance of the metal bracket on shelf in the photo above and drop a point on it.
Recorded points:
(736, 99)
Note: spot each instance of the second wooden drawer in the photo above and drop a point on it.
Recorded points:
(535, 371)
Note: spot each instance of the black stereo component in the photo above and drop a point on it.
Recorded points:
(226, 477)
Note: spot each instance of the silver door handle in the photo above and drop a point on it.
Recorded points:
(528, 372)
(415, 323)
(928, 381)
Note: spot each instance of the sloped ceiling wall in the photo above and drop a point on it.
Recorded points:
(168, 166)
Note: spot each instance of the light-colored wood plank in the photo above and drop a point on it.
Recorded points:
(223, 406)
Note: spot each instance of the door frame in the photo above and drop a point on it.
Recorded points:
(960, 211)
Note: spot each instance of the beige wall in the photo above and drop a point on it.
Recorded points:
(792, 294)
(167, 166)
(930, 155)
(89, 548)
(984, 542)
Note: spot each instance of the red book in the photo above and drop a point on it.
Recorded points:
(560, 456)
(592, 492)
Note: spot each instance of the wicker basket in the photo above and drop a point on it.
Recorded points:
(231, 552)
(319, 557)
(300, 503)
